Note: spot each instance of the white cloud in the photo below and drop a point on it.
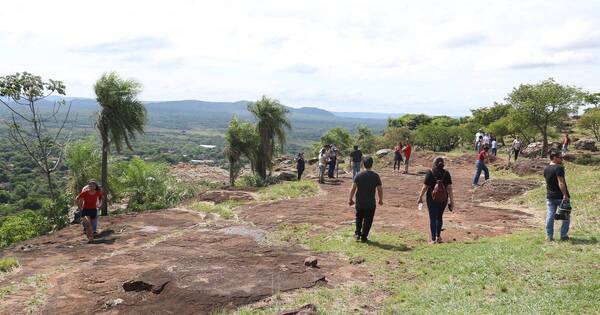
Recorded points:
(388, 56)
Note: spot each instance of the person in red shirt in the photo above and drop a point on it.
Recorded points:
(480, 165)
(407, 150)
(88, 200)
(565, 143)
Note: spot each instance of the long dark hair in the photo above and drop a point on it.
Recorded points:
(435, 167)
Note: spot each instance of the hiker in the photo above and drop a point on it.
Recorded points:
(494, 146)
(478, 134)
(397, 156)
(480, 165)
(438, 189)
(516, 147)
(407, 150)
(479, 144)
(356, 156)
(300, 164)
(332, 161)
(365, 184)
(322, 164)
(94, 221)
(487, 140)
(556, 193)
(565, 143)
(88, 201)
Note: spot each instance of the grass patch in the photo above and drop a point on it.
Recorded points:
(8, 263)
(289, 190)
(224, 210)
(289, 234)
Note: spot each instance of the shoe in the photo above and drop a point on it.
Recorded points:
(566, 238)
(357, 237)
(364, 240)
(439, 240)
(549, 239)
(431, 242)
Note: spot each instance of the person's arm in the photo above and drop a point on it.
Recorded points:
(380, 193)
(562, 184)
(352, 192)
(450, 195)
(423, 190)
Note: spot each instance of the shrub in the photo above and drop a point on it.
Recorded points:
(288, 190)
(255, 181)
(8, 263)
(22, 226)
(587, 159)
(437, 137)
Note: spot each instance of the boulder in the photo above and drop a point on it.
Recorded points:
(533, 149)
(286, 176)
(383, 152)
(569, 157)
(531, 166)
(311, 261)
(585, 144)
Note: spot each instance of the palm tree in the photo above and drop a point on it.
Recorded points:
(272, 121)
(121, 118)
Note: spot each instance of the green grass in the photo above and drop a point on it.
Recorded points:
(224, 210)
(289, 190)
(8, 263)
(289, 234)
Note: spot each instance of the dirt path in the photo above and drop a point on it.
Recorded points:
(179, 261)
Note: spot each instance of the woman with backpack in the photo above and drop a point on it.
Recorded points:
(87, 200)
(438, 189)
(397, 156)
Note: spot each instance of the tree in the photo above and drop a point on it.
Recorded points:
(438, 138)
(242, 140)
(122, 117)
(271, 123)
(543, 105)
(499, 128)
(487, 115)
(392, 135)
(593, 99)
(411, 121)
(364, 138)
(591, 120)
(37, 128)
(340, 137)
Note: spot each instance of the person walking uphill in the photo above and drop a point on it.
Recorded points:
(438, 189)
(397, 156)
(480, 166)
(356, 157)
(87, 200)
(556, 193)
(565, 143)
(300, 165)
(365, 184)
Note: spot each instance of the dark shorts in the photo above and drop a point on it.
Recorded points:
(397, 156)
(92, 213)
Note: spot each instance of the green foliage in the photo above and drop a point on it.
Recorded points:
(587, 159)
(340, 137)
(445, 121)
(148, 186)
(543, 105)
(364, 138)
(438, 138)
(487, 115)
(84, 161)
(591, 121)
(271, 124)
(255, 180)
(242, 140)
(224, 210)
(22, 226)
(500, 128)
(8, 263)
(392, 135)
(289, 190)
(411, 121)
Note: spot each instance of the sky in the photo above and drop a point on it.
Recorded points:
(432, 57)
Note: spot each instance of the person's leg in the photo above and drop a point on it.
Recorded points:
(395, 163)
(550, 219)
(477, 172)
(369, 215)
(564, 228)
(439, 223)
(486, 172)
(95, 224)
(406, 165)
(88, 228)
(321, 173)
(359, 222)
(432, 220)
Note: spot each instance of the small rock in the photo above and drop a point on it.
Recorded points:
(311, 261)
(357, 260)
(113, 303)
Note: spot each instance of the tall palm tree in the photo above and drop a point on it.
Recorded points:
(122, 117)
(271, 123)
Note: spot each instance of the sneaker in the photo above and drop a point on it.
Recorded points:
(431, 242)
(566, 238)
(357, 237)
(364, 240)
(549, 239)
(439, 240)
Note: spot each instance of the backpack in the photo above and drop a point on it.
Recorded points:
(439, 194)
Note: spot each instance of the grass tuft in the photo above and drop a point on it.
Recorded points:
(289, 190)
(8, 263)
(224, 210)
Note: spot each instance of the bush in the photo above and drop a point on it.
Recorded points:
(22, 226)
(31, 203)
(8, 263)
(587, 159)
(288, 190)
(438, 138)
(255, 181)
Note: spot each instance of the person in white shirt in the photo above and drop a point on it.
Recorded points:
(487, 140)
(476, 141)
(516, 147)
(322, 164)
(494, 146)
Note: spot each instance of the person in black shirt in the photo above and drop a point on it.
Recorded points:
(365, 184)
(300, 164)
(356, 157)
(556, 193)
(436, 209)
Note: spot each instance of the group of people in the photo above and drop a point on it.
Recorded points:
(438, 193)
(327, 161)
(483, 139)
(399, 152)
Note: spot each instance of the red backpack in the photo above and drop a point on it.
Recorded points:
(439, 194)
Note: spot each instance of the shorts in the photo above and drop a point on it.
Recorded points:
(92, 213)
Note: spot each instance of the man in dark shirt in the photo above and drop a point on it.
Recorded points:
(556, 193)
(365, 184)
(356, 157)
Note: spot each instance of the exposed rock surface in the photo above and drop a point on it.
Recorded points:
(586, 144)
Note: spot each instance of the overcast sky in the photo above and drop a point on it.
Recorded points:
(434, 57)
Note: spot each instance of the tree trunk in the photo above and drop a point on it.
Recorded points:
(50, 186)
(104, 177)
(231, 171)
(545, 141)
